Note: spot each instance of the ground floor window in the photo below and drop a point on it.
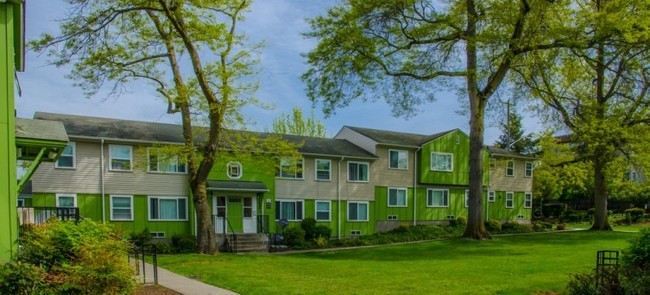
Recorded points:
(66, 200)
(323, 210)
(396, 197)
(528, 200)
(289, 209)
(491, 196)
(510, 200)
(121, 207)
(168, 208)
(358, 211)
(437, 198)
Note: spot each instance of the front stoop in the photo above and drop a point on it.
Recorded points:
(248, 242)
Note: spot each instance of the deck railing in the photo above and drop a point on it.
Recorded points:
(39, 215)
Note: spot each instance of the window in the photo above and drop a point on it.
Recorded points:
(466, 198)
(21, 203)
(396, 197)
(442, 161)
(510, 168)
(165, 163)
(66, 200)
(392, 217)
(357, 211)
(528, 200)
(234, 170)
(157, 234)
(288, 209)
(121, 207)
(451, 217)
(67, 159)
(491, 197)
(167, 208)
(437, 198)
(510, 200)
(358, 171)
(323, 210)
(290, 168)
(520, 216)
(323, 169)
(355, 233)
(120, 157)
(529, 169)
(398, 159)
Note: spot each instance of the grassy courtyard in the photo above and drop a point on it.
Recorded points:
(524, 264)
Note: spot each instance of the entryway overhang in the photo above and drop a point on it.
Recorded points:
(237, 186)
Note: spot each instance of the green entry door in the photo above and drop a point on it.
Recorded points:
(235, 214)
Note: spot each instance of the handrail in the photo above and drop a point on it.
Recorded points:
(232, 246)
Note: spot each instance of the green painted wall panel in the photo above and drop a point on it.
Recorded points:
(382, 210)
(497, 210)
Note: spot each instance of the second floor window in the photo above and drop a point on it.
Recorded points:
(323, 169)
(67, 159)
(510, 168)
(290, 168)
(358, 171)
(442, 162)
(165, 163)
(397, 159)
(529, 169)
(120, 157)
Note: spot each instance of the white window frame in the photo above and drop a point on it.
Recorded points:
(158, 163)
(110, 157)
(72, 145)
(278, 204)
(150, 218)
(511, 196)
(528, 200)
(445, 198)
(20, 202)
(397, 190)
(466, 198)
(157, 234)
(130, 207)
(329, 170)
(528, 171)
(510, 172)
(437, 154)
(491, 196)
(329, 210)
(73, 196)
(358, 203)
(298, 170)
(237, 166)
(367, 164)
(399, 156)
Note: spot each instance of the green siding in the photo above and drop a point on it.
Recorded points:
(456, 205)
(382, 210)
(497, 210)
(456, 143)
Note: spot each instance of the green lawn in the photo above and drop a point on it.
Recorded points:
(524, 264)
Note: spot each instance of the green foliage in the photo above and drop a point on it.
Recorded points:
(295, 124)
(539, 226)
(634, 214)
(554, 210)
(141, 238)
(309, 226)
(635, 263)
(460, 220)
(22, 279)
(323, 231)
(184, 243)
(165, 248)
(73, 258)
(512, 135)
(294, 236)
(574, 216)
(560, 226)
(606, 281)
(493, 226)
(513, 227)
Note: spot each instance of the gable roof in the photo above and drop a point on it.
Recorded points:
(397, 138)
(153, 132)
(499, 152)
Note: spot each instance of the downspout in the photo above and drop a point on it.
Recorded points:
(415, 185)
(338, 200)
(101, 179)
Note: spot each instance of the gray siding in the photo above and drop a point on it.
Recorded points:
(517, 183)
(85, 177)
(382, 175)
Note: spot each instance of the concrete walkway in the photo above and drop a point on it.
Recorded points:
(179, 283)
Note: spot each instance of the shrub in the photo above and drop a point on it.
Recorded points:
(635, 263)
(164, 248)
(560, 226)
(590, 283)
(22, 279)
(294, 236)
(461, 220)
(78, 258)
(323, 231)
(574, 216)
(634, 214)
(554, 210)
(141, 238)
(309, 226)
(184, 243)
(493, 226)
(540, 226)
(453, 222)
(513, 227)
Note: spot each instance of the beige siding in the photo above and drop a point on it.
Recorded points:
(310, 188)
(382, 175)
(85, 177)
(517, 183)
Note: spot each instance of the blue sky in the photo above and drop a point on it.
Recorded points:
(279, 23)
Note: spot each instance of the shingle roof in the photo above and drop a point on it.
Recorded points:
(152, 132)
(499, 152)
(40, 130)
(397, 138)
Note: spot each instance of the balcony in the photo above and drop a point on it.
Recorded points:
(39, 215)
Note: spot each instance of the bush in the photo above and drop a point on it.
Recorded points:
(183, 243)
(76, 258)
(493, 226)
(512, 227)
(164, 248)
(309, 226)
(540, 226)
(635, 264)
(574, 216)
(294, 236)
(141, 238)
(22, 279)
(461, 220)
(554, 210)
(453, 222)
(634, 214)
(560, 226)
(589, 283)
(323, 231)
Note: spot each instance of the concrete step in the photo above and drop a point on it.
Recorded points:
(249, 242)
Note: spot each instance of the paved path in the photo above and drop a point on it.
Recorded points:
(182, 284)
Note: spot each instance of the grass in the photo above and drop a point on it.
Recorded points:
(522, 264)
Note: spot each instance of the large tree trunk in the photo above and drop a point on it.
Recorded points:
(601, 221)
(206, 238)
(475, 228)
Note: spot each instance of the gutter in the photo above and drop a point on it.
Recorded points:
(415, 185)
(338, 200)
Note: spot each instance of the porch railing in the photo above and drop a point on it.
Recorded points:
(228, 245)
(39, 215)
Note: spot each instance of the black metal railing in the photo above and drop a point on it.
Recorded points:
(39, 215)
(229, 245)
(138, 255)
